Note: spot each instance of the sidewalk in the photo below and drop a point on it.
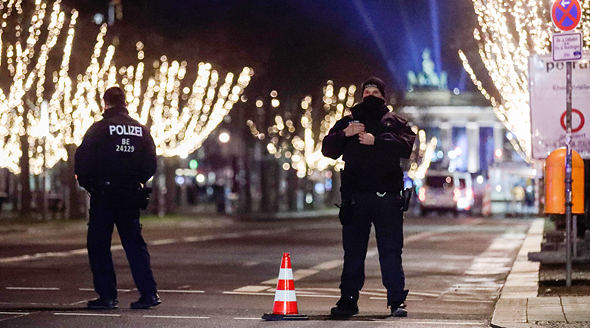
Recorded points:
(519, 305)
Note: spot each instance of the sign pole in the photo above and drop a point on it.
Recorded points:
(566, 16)
(568, 177)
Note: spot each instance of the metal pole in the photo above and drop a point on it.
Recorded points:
(568, 177)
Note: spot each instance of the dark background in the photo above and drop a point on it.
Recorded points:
(295, 46)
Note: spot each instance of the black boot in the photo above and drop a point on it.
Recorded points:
(399, 311)
(146, 302)
(345, 307)
(102, 304)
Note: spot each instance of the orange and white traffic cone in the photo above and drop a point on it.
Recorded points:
(285, 307)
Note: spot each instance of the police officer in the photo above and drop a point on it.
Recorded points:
(371, 140)
(117, 156)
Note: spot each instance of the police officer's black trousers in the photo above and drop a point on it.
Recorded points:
(100, 230)
(385, 214)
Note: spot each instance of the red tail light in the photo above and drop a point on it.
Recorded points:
(456, 194)
(422, 194)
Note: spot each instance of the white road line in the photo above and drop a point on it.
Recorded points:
(424, 294)
(88, 314)
(247, 293)
(15, 313)
(187, 291)
(385, 298)
(328, 265)
(173, 317)
(32, 288)
(247, 318)
(92, 289)
(317, 295)
(251, 289)
(83, 251)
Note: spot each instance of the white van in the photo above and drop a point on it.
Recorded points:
(445, 191)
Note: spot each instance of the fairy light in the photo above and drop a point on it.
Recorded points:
(26, 65)
(509, 32)
(296, 142)
(421, 161)
(181, 116)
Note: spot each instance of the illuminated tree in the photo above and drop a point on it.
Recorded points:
(295, 139)
(293, 134)
(509, 32)
(181, 117)
(34, 69)
(180, 112)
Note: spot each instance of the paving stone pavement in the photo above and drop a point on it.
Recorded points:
(519, 305)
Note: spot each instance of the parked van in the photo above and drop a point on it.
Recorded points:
(445, 191)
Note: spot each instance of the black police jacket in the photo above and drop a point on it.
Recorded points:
(371, 168)
(115, 149)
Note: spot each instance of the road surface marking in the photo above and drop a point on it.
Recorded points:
(247, 318)
(299, 294)
(385, 298)
(173, 317)
(92, 289)
(15, 313)
(423, 294)
(251, 289)
(118, 247)
(247, 293)
(328, 265)
(88, 314)
(181, 291)
(32, 288)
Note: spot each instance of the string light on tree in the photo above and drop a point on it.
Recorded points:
(25, 72)
(509, 32)
(298, 144)
(180, 115)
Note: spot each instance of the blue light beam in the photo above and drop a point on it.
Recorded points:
(435, 35)
(380, 45)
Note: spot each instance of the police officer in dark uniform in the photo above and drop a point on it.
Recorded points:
(371, 140)
(116, 158)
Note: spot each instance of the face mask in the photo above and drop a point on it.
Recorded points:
(374, 101)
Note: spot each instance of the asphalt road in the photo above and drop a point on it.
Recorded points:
(220, 272)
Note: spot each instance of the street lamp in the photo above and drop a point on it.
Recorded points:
(224, 137)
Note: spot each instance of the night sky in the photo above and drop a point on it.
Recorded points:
(295, 46)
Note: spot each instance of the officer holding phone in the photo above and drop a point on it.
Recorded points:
(371, 142)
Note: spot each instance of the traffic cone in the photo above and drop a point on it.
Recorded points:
(285, 307)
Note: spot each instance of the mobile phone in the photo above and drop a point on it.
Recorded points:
(353, 121)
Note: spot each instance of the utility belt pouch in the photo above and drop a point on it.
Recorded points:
(144, 197)
(347, 208)
(406, 196)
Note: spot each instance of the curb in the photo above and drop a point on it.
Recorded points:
(521, 284)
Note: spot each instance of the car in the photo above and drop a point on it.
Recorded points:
(445, 191)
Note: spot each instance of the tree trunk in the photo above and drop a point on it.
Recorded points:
(170, 165)
(26, 195)
(73, 196)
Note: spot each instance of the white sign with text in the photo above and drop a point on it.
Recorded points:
(567, 46)
(547, 89)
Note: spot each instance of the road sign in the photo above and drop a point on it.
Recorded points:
(580, 123)
(566, 14)
(547, 87)
(567, 46)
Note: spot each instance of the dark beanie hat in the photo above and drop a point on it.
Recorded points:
(375, 83)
